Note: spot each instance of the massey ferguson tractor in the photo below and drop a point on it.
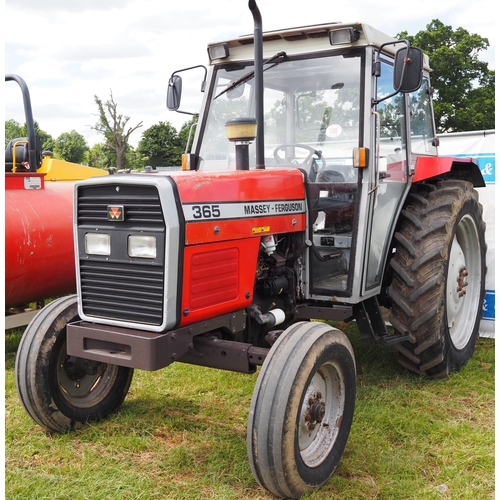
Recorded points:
(312, 190)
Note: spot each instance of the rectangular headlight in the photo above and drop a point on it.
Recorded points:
(142, 246)
(219, 51)
(97, 244)
(343, 36)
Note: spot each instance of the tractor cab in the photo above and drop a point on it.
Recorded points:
(334, 101)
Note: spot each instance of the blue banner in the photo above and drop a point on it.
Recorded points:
(487, 165)
(489, 305)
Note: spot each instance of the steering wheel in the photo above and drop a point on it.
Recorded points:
(304, 161)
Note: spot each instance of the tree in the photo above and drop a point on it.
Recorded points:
(14, 130)
(71, 146)
(112, 125)
(464, 97)
(481, 101)
(134, 159)
(161, 145)
(98, 156)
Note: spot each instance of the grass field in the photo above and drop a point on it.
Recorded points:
(181, 434)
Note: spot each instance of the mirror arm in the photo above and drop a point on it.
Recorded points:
(203, 83)
(377, 70)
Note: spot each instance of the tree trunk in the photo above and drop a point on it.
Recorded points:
(120, 154)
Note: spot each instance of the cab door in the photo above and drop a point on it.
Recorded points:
(390, 182)
(403, 130)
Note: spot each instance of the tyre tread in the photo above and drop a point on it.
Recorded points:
(268, 409)
(417, 270)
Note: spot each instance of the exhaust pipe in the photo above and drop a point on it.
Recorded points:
(259, 83)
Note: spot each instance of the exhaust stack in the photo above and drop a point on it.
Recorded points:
(259, 83)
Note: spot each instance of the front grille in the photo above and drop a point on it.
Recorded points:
(123, 292)
(142, 205)
(119, 288)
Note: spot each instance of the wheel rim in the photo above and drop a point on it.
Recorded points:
(321, 414)
(79, 388)
(463, 282)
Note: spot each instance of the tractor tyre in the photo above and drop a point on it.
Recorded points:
(302, 409)
(60, 392)
(438, 277)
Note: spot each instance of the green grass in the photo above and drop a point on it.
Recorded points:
(181, 434)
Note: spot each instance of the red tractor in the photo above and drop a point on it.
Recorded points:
(313, 190)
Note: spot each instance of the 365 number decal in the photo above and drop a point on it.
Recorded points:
(205, 211)
(242, 209)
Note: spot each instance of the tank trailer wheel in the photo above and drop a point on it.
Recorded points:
(60, 392)
(438, 277)
(302, 409)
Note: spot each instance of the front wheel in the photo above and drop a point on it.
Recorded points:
(438, 277)
(58, 391)
(302, 409)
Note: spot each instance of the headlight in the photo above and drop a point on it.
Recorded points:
(97, 244)
(219, 51)
(142, 246)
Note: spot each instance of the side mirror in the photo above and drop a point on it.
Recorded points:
(408, 66)
(174, 92)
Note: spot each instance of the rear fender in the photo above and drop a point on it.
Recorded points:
(429, 167)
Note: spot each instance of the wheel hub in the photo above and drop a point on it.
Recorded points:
(78, 378)
(77, 368)
(321, 414)
(456, 282)
(315, 411)
(462, 283)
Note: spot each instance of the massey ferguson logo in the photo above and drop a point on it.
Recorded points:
(116, 213)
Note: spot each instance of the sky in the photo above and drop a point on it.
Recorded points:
(68, 51)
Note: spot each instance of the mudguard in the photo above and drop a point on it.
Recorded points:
(428, 167)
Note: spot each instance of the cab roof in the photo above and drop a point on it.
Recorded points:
(309, 39)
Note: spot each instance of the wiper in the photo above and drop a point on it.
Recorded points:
(251, 74)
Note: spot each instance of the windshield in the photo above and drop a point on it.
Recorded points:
(311, 112)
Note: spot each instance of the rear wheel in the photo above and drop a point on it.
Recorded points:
(58, 391)
(302, 409)
(438, 277)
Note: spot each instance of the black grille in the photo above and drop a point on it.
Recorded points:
(124, 292)
(121, 289)
(141, 204)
